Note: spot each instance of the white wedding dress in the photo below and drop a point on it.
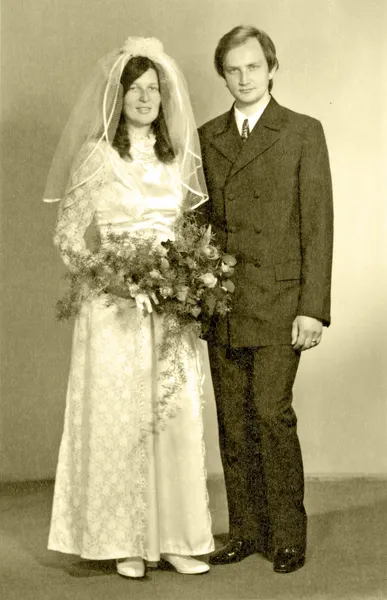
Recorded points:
(118, 492)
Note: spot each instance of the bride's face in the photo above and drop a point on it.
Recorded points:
(142, 100)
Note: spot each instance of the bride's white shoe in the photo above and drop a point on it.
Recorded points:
(186, 564)
(131, 567)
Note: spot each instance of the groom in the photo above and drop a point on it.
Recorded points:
(269, 182)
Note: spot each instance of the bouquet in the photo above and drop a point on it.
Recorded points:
(186, 279)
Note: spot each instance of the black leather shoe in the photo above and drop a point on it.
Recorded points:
(287, 560)
(235, 551)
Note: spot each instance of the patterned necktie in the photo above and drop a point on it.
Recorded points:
(245, 130)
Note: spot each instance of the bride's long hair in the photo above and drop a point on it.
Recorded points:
(134, 68)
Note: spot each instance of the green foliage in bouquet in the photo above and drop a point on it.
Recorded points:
(186, 279)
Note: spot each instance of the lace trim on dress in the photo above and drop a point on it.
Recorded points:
(142, 148)
(200, 391)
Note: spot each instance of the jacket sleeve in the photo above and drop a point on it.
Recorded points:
(316, 226)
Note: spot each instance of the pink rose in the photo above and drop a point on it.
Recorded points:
(182, 293)
(208, 279)
(211, 252)
(166, 291)
(161, 251)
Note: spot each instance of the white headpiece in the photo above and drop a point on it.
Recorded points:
(94, 119)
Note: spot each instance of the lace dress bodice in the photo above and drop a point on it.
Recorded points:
(141, 196)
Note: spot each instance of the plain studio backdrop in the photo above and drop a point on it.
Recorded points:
(332, 56)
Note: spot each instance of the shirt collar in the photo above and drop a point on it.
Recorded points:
(253, 119)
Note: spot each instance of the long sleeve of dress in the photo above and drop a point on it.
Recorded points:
(75, 214)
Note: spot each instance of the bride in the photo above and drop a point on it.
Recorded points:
(127, 161)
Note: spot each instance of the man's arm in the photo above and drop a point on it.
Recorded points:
(316, 216)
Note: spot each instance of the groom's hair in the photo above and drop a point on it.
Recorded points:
(238, 36)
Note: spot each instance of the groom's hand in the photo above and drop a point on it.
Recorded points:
(306, 333)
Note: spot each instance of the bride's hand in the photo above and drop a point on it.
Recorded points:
(143, 301)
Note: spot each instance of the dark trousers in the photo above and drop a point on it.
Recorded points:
(259, 445)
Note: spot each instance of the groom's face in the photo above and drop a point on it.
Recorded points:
(247, 73)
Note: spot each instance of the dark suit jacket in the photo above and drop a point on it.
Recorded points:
(271, 205)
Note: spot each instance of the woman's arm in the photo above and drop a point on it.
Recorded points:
(77, 210)
(74, 216)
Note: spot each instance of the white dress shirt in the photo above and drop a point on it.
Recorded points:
(253, 119)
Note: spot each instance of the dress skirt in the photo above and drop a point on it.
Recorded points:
(131, 477)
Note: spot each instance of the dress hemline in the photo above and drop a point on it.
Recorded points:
(115, 556)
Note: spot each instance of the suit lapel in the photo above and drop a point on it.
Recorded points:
(227, 140)
(267, 132)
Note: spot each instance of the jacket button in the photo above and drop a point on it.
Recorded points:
(257, 264)
(232, 229)
(231, 197)
(257, 194)
(257, 229)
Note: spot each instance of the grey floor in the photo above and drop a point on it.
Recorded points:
(347, 557)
